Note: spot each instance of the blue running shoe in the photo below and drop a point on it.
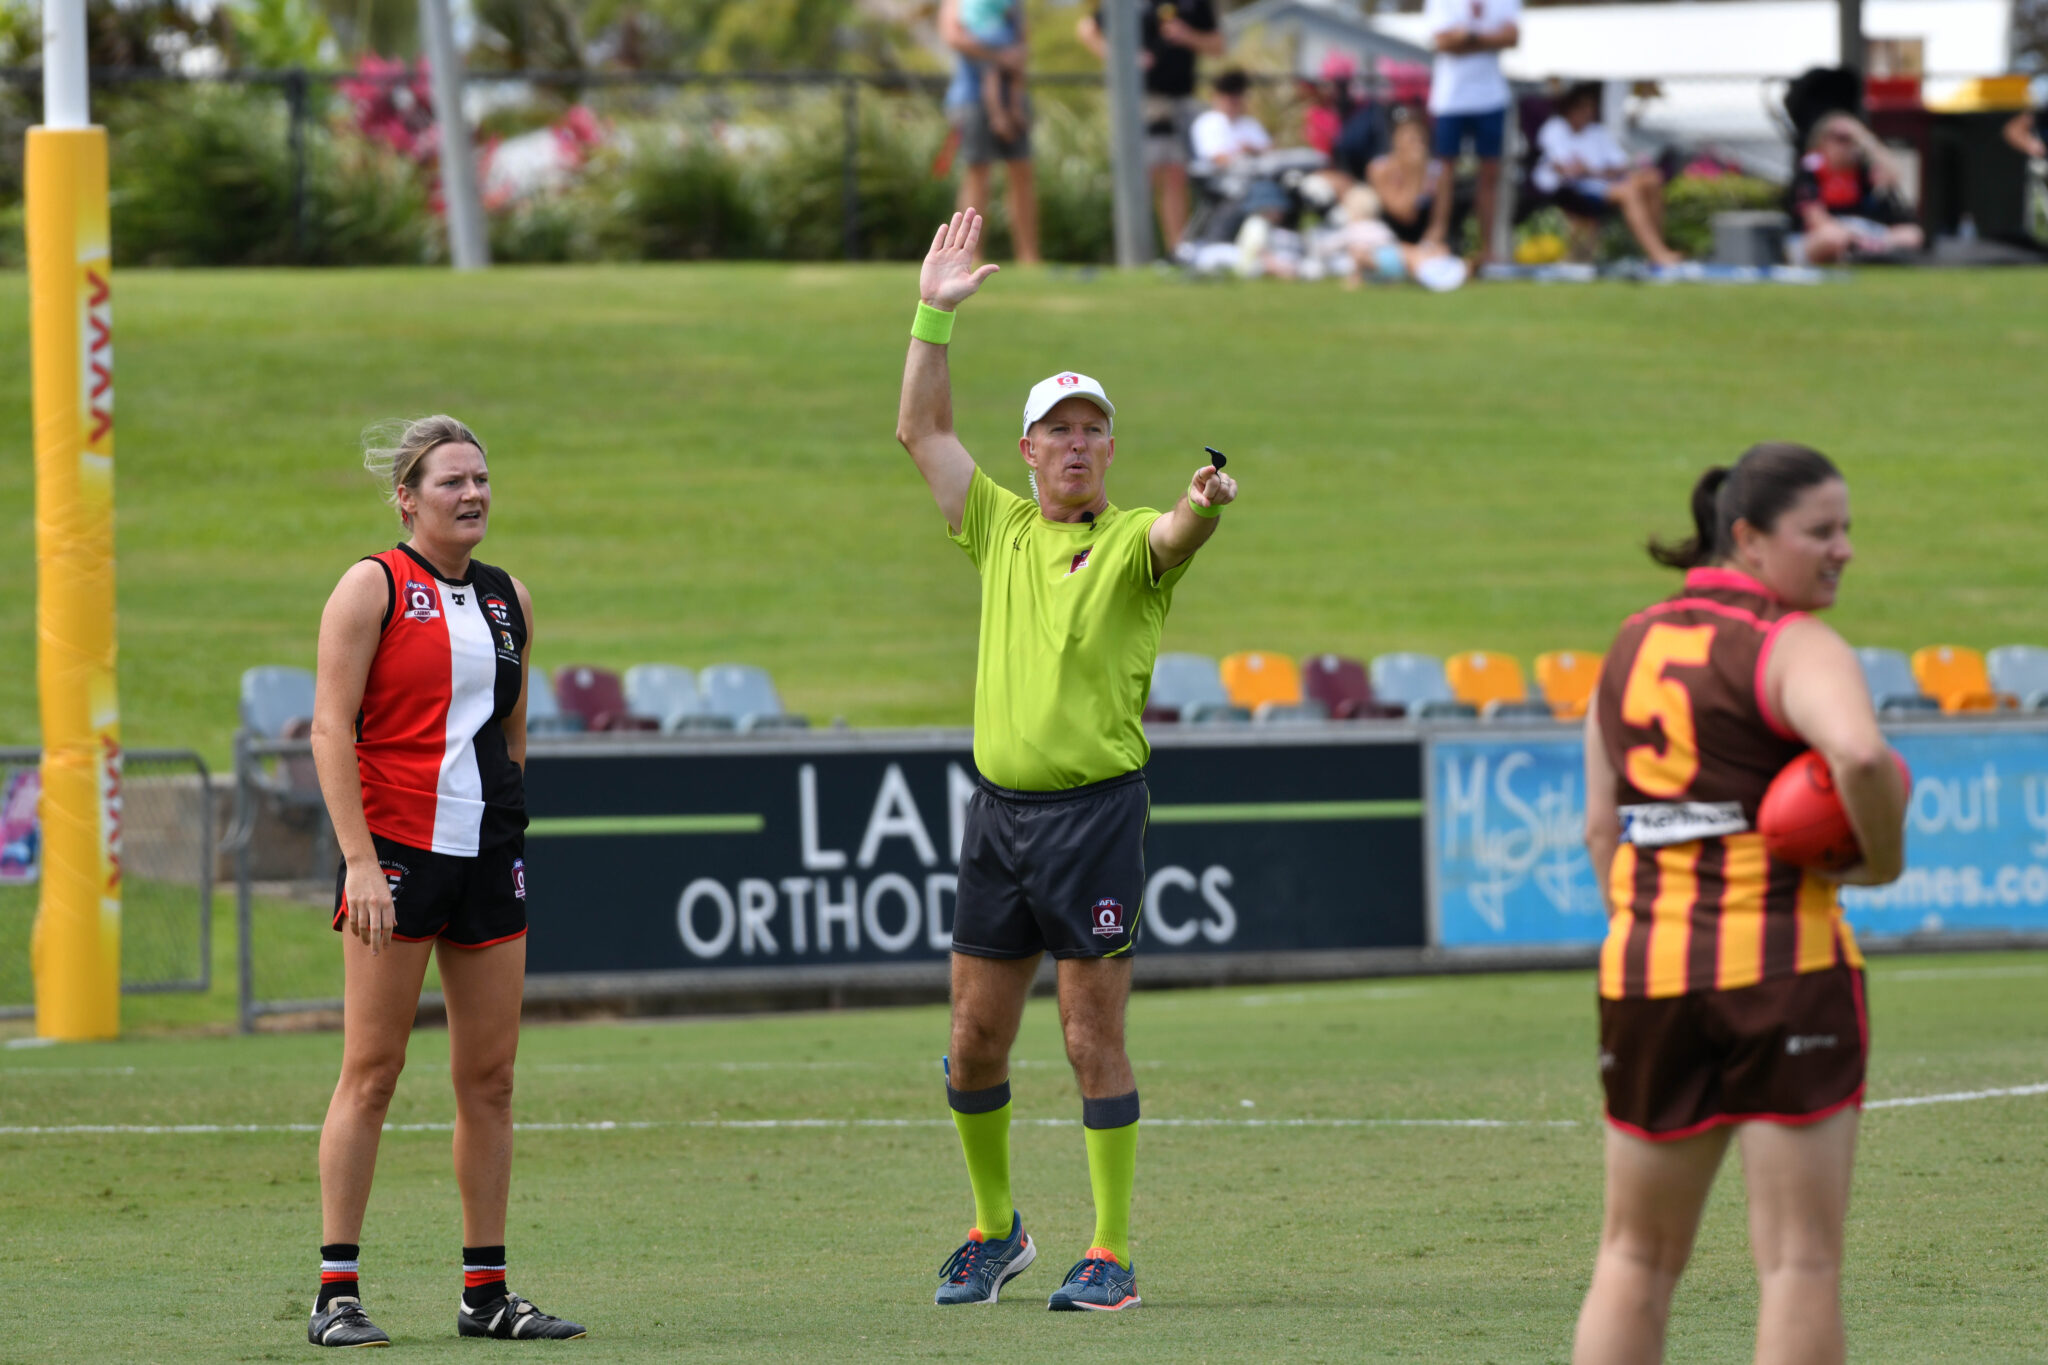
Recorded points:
(1098, 1283)
(977, 1272)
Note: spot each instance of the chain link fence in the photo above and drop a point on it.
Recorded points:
(168, 823)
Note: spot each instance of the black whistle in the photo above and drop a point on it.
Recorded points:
(1217, 456)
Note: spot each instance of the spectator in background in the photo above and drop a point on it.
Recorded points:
(990, 111)
(1845, 197)
(1407, 182)
(1585, 170)
(1227, 132)
(1172, 36)
(2027, 131)
(1468, 98)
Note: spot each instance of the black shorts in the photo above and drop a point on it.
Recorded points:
(468, 902)
(1793, 1050)
(1060, 872)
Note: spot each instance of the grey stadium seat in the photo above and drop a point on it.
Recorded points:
(1892, 685)
(273, 697)
(667, 694)
(747, 696)
(1185, 682)
(2021, 670)
(544, 716)
(1416, 683)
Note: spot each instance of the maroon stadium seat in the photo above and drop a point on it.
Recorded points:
(597, 695)
(1341, 684)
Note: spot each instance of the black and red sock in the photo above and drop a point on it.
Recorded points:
(340, 1265)
(483, 1275)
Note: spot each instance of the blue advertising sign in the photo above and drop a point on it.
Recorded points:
(1510, 865)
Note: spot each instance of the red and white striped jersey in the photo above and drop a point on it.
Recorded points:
(430, 746)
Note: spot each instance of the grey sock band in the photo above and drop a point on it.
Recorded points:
(1118, 1111)
(978, 1101)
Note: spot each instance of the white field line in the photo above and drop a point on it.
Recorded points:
(640, 1125)
(1960, 973)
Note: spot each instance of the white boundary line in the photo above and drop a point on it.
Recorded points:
(643, 1125)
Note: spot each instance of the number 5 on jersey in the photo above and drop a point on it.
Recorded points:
(1653, 699)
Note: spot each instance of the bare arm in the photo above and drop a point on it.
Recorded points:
(1177, 534)
(1816, 687)
(349, 628)
(954, 34)
(1603, 806)
(924, 414)
(1091, 36)
(1208, 42)
(515, 724)
(2020, 135)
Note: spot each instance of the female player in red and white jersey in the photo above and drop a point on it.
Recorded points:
(419, 734)
(1731, 990)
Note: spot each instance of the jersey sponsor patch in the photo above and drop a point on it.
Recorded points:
(422, 603)
(1080, 561)
(1108, 917)
(1661, 823)
(507, 646)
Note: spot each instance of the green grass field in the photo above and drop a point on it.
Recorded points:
(696, 464)
(716, 1231)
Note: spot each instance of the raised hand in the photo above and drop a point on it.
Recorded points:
(949, 278)
(1211, 487)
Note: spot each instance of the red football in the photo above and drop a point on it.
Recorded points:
(1802, 819)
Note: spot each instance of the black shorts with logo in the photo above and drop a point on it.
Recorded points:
(467, 902)
(1792, 1050)
(1060, 872)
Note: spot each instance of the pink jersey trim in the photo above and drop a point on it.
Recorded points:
(1763, 659)
(1732, 580)
(1724, 1120)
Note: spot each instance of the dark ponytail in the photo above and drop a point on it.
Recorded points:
(1768, 478)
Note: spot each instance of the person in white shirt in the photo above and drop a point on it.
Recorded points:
(1469, 98)
(1225, 132)
(1585, 170)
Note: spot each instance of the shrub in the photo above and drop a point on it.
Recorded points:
(677, 200)
(1691, 201)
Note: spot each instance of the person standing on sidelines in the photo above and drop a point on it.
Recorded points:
(1731, 990)
(1469, 99)
(1075, 591)
(1173, 36)
(419, 736)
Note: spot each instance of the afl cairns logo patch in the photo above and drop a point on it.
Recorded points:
(500, 613)
(394, 877)
(1108, 916)
(422, 603)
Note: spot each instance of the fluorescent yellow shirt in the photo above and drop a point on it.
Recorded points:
(1070, 622)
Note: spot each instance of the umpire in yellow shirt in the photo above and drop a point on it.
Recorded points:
(1074, 592)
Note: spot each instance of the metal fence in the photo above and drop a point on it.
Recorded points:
(167, 866)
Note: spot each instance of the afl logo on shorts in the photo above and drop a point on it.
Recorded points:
(1109, 918)
(422, 603)
(519, 878)
(500, 613)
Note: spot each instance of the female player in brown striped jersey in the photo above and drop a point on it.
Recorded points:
(1731, 990)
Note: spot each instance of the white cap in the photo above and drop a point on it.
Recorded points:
(1047, 394)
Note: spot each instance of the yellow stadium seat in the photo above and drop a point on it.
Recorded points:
(1252, 677)
(1955, 676)
(1480, 679)
(1566, 678)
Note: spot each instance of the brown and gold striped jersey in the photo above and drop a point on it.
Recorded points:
(1694, 902)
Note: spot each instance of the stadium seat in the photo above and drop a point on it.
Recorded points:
(1341, 685)
(747, 696)
(1253, 678)
(1954, 675)
(544, 716)
(2021, 671)
(1215, 713)
(667, 694)
(1893, 689)
(1567, 678)
(1290, 713)
(596, 695)
(1416, 684)
(1493, 684)
(1181, 681)
(273, 697)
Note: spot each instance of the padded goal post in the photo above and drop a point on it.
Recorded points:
(77, 941)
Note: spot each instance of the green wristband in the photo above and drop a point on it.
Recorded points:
(932, 324)
(1211, 511)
